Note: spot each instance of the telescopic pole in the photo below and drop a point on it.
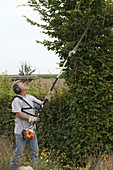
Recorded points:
(72, 52)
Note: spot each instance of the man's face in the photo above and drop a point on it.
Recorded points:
(22, 86)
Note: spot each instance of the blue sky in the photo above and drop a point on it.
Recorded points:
(17, 41)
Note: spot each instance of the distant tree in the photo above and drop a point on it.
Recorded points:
(26, 69)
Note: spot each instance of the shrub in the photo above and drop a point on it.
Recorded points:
(76, 123)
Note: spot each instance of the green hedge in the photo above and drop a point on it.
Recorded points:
(78, 123)
(6, 117)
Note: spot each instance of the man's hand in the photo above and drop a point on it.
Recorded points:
(48, 97)
(34, 119)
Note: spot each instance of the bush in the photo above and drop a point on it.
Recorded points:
(6, 117)
(76, 123)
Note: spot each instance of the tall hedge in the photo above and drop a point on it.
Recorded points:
(76, 123)
(88, 104)
(79, 125)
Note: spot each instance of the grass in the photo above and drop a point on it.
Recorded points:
(6, 154)
(46, 161)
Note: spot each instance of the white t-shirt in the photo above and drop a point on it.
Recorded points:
(18, 104)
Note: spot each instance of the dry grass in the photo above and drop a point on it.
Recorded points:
(5, 153)
(47, 83)
(104, 163)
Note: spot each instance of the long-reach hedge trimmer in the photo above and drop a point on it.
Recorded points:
(28, 133)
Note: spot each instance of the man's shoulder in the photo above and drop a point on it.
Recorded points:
(19, 97)
(16, 98)
(29, 96)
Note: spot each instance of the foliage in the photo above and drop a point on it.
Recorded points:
(81, 120)
(68, 126)
(6, 117)
(47, 160)
(25, 69)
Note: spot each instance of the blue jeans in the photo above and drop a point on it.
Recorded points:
(20, 145)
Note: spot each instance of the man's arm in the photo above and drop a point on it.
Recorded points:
(22, 116)
(27, 117)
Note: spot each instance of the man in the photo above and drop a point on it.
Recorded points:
(23, 105)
